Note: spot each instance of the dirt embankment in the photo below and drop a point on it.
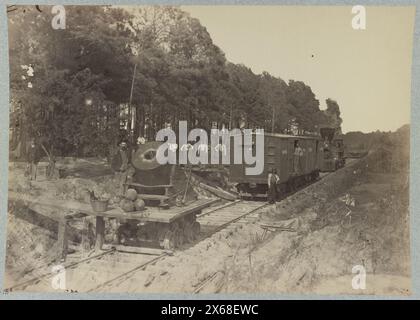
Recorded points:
(356, 216)
(334, 237)
(351, 217)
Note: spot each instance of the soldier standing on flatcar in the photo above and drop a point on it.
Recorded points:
(273, 179)
(131, 171)
(120, 164)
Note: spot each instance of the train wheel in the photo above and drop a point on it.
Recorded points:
(188, 232)
(122, 234)
(294, 185)
(169, 240)
(151, 231)
(282, 190)
(196, 228)
(163, 229)
(178, 232)
(121, 239)
(179, 238)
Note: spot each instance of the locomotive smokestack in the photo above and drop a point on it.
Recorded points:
(327, 133)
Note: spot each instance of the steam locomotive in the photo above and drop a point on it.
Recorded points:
(333, 149)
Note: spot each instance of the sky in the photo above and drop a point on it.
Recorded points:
(368, 72)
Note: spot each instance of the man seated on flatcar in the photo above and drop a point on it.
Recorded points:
(273, 180)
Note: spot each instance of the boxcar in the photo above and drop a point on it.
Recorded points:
(279, 153)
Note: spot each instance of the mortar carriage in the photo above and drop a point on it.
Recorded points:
(171, 219)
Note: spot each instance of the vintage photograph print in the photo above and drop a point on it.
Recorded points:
(209, 149)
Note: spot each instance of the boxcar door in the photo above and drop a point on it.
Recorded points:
(290, 155)
(270, 154)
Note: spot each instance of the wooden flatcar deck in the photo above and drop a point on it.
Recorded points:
(150, 214)
(70, 209)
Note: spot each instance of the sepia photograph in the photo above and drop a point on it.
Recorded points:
(209, 149)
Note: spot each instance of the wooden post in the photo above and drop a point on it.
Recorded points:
(62, 240)
(100, 232)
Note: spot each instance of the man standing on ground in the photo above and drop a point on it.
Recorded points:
(33, 155)
(273, 179)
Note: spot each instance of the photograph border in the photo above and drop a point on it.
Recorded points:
(414, 156)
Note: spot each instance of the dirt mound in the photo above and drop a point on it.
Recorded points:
(28, 248)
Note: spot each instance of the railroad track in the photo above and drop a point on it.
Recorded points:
(224, 219)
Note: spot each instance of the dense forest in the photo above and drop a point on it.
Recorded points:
(81, 89)
(359, 141)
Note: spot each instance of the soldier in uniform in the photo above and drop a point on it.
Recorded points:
(120, 165)
(273, 179)
(33, 157)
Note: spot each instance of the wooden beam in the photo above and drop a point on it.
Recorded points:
(138, 250)
(62, 241)
(134, 184)
(153, 197)
(219, 192)
(100, 233)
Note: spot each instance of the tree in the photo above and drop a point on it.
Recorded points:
(72, 87)
(333, 114)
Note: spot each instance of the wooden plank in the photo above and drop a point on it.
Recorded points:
(153, 197)
(151, 214)
(62, 241)
(139, 250)
(100, 233)
(222, 215)
(217, 219)
(218, 192)
(75, 206)
(149, 187)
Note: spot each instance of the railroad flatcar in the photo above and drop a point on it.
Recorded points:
(171, 209)
(295, 167)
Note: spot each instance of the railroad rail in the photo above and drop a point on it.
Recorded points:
(226, 217)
